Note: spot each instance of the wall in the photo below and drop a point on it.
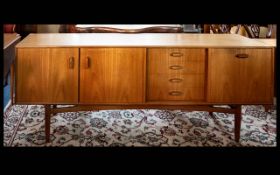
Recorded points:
(54, 28)
(243, 32)
(48, 28)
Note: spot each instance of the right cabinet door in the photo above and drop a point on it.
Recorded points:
(240, 76)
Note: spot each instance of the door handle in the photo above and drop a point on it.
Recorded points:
(71, 63)
(242, 55)
(176, 67)
(87, 62)
(176, 54)
(175, 80)
(175, 93)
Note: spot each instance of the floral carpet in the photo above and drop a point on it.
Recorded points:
(24, 126)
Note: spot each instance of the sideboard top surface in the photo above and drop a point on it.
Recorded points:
(269, 41)
(140, 40)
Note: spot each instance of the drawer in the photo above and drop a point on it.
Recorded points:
(176, 87)
(172, 60)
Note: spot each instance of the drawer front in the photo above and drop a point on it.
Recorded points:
(176, 74)
(176, 87)
(172, 60)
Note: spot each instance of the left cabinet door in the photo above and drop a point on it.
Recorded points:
(47, 76)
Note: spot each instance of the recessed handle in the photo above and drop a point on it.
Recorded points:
(176, 67)
(175, 93)
(71, 63)
(175, 80)
(87, 62)
(242, 55)
(176, 54)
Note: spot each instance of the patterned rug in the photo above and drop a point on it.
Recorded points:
(24, 126)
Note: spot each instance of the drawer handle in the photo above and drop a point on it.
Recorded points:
(87, 62)
(176, 54)
(176, 67)
(242, 55)
(71, 62)
(175, 80)
(175, 93)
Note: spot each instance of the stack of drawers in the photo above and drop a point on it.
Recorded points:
(176, 74)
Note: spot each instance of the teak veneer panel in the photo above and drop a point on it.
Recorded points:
(245, 80)
(185, 81)
(190, 61)
(43, 75)
(113, 75)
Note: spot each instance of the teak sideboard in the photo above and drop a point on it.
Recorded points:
(132, 71)
(10, 40)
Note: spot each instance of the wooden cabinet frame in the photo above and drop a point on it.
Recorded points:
(112, 52)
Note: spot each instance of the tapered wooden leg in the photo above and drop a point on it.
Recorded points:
(267, 107)
(47, 122)
(237, 123)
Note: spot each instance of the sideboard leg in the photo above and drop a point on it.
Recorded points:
(211, 115)
(47, 122)
(237, 123)
(268, 107)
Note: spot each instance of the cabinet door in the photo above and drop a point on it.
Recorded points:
(47, 75)
(112, 75)
(240, 75)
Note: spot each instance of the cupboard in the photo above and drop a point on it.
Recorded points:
(124, 71)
